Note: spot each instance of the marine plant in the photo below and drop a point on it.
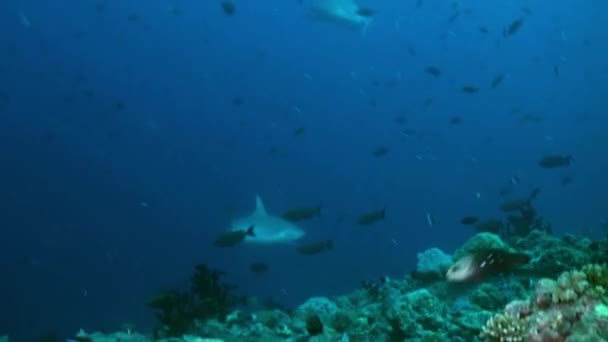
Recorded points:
(207, 298)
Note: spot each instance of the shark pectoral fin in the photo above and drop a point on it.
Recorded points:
(259, 207)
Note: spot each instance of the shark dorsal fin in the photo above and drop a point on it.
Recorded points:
(259, 207)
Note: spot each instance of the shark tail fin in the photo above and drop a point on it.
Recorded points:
(250, 231)
(259, 206)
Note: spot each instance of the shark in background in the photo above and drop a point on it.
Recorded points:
(269, 229)
(344, 12)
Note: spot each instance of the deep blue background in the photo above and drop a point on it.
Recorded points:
(103, 206)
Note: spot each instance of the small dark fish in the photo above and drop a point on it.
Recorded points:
(67, 99)
(100, 8)
(391, 83)
(366, 12)
(88, 93)
(497, 80)
(469, 220)
(567, 180)
(433, 71)
(456, 120)
(490, 226)
(373, 102)
(554, 161)
(371, 217)
(428, 102)
(531, 118)
(119, 106)
(233, 238)
(300, 131)
(301, 213)
(229, 8)
(469, 90)
(411, 51)
(402, 120)
(519, 204)
(315, 247)
(533, 194)
(452, 18)
(556, 70)
(409, 131)
(175, 10)
(504, 191)
(258, 267)
(26, 260)
(237, 101)
(484, 29)
(4, 99)
(380, 151)
(513, 28)
(133, 17)
(485, 263)
(514, 205)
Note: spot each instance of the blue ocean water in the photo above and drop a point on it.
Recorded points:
(133, 132)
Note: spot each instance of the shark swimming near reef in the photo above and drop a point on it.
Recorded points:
(344, 12)
(268, 229)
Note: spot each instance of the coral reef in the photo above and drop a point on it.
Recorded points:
(480, 241)
(559, 296)
(571, 308)
(432, 264)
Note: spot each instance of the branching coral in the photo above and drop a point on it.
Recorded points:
(505, 327)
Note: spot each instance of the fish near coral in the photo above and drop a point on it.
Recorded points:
(258, 267)
(301, 213)
(315, 247)
(485, 263)
(469, 220)
(371, 217)
(234, 237)
(433, 71)
(513, 28)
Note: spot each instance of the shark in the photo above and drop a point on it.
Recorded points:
(343, 12)
(269, 229)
